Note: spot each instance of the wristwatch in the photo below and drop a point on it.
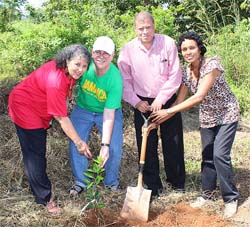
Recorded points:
(105, 144)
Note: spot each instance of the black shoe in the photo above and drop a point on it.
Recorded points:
(177, 188)
(76, 190)
(116, 189)
(156, 192)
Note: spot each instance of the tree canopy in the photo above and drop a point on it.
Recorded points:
(32, 36)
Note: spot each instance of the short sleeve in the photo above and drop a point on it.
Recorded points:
(115, 92)
(213, 63)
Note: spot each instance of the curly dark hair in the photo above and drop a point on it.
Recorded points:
(69, 52)
(193, 36)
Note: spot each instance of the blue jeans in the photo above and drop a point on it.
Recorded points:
(83, 121)
(216, 161)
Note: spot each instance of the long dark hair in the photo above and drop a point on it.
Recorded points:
(69, 52)
(193, 36)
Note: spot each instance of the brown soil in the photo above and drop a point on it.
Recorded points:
(243, 213)
(181, 215)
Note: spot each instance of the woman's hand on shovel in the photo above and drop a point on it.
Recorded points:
(160, 116)
(151, 126)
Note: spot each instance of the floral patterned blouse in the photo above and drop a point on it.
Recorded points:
(219, 106)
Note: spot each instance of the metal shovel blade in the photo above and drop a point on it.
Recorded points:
(136, 204)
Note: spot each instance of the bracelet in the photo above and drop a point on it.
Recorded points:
(78, 144)
(105, 144)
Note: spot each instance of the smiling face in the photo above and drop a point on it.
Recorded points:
(145, 30)
(102, 61)
(190, 51)
(77, 66)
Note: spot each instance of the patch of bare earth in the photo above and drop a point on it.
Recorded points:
(181, 215)
(243, 214)
(17, 206)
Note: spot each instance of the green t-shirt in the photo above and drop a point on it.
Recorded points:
(96, 93)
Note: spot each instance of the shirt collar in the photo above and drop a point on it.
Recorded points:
(143, 48)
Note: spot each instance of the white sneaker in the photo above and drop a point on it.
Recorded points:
(199, 202)
(230, 209)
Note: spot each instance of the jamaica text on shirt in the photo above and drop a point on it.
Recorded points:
(90, 88)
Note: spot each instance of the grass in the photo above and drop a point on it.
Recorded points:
(17, 203)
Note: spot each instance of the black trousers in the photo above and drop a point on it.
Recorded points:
(216, 160)
(171, 133)
(33, 146)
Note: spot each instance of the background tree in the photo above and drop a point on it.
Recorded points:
(208, 17)
(27, 42)
(10, 10)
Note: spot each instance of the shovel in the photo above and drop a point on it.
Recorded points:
(136, 204)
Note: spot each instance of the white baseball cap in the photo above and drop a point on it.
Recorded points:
(104, 43)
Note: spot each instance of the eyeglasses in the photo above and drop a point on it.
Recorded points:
(102, 53)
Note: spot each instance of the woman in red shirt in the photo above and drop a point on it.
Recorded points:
(38, 99)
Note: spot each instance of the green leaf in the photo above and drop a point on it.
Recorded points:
(86, 181)
(90, 185)
(89, 175)
(101, 205)
(99, 179)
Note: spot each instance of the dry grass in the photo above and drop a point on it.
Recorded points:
(17, 207)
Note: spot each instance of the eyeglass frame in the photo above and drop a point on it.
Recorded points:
(101, 53)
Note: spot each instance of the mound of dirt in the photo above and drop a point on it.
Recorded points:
(243, 213)
(181, 215)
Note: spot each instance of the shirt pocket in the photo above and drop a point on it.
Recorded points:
(163, 65)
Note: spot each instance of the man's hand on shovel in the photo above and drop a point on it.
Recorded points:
(151, 126)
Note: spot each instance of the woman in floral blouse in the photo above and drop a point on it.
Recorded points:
(219, 112)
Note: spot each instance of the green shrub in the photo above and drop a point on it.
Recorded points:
(27, 46)
(231, 44)
(242, 94)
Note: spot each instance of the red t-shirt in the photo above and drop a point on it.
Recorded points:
(40, 96)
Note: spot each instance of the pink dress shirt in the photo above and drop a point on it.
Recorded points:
(153, 73)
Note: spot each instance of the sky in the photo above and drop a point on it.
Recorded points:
(36, 3)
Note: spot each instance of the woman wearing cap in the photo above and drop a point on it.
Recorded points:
(38, 99)
(99, 103)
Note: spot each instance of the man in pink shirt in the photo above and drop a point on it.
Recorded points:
(151, 73)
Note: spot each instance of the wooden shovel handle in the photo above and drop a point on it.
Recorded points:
(145, 132)
(143, 145)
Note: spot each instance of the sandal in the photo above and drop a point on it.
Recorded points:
(53, 208)
(76, 190)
